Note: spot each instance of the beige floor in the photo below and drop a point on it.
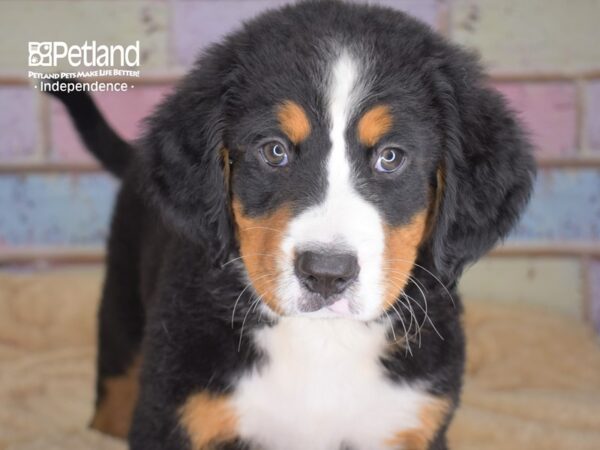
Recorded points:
(533, 375)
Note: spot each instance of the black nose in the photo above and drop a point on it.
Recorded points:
(326, 274)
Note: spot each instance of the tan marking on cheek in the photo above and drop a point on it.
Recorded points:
(436, 202)
(208, 420)
(226, 166)
(432, 417)
(115, 410)
(374, 124)
(260, 247)
(401, 247)
(293, 121)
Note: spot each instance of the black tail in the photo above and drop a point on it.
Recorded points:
(105, 144)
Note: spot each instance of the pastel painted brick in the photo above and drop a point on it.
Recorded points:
(549, 113)
(594, 290)
(530, 36)
(57, 209)
(592, 115)
(425, 10)
(554, 283)
(18, 124)
(199, 23)
(565, 206)
(123, 110)
(75, 22)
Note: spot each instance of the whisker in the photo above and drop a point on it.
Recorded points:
(258, 299)
(391, 326)
(408, 333)
(409, 308)
(426, 306)
(409, 277)
(413, 319)
(427, 271)
(416, 281)
(258, 227)
(425, 311)
(420, 285)
(248, 254)
(427, 317)
(406, 337)
(422, 295)
(241, 293)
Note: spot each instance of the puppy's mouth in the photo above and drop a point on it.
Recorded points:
(316, 306)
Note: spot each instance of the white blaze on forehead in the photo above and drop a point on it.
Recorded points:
(344, 93)
(344, 218)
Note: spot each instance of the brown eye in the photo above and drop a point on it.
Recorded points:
(390, 159)
(275, 154)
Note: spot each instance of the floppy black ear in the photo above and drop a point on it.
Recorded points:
(486, 173)
(181, 164)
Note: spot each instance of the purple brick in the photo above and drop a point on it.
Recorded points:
(18, 124)
(592, 115)
(56, 209)
(123, 110)
(199, 23)
(548, 110)
(424, 10)
(594, 279)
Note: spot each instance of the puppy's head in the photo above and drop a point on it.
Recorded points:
(335, 147)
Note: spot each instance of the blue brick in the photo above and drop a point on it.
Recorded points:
(55, 209)
(68, 209)
(565, 206)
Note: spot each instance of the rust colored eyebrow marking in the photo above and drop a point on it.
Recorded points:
(374, 124)
(293, 121)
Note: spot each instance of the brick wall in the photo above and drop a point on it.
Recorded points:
(543, 55)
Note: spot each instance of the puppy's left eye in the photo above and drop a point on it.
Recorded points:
(275, 154)
(390, 159)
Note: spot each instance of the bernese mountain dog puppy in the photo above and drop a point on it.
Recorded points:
(291, 227)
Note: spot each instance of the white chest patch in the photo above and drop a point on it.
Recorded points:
(323, 386)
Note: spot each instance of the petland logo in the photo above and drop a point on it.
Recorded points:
(90, 54)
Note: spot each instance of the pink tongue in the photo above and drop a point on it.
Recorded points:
(341, 307)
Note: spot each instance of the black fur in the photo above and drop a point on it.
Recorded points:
(173, 226)
(113, 152)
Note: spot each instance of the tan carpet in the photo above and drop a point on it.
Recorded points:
(533, 375)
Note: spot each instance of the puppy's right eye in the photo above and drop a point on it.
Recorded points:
(390, 159)
(275, 154)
